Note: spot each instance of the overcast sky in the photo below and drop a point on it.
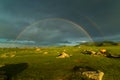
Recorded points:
(99, 18)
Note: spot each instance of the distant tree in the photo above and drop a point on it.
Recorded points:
(98, 44)
(107, 43)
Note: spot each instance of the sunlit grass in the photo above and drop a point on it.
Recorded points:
(47, 67)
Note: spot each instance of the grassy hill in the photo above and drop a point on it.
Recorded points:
(42, 64)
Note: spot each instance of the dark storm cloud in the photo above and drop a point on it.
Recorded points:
(15, 15)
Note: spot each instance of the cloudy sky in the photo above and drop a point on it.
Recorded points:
(59, 21)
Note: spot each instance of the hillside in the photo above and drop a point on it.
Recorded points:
(42, 64)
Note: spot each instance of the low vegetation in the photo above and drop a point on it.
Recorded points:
(42, 64)
(102, 43)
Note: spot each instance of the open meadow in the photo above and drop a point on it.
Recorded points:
(44, 64)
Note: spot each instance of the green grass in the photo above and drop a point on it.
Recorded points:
(29, 64)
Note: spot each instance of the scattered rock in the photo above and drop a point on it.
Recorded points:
(89, 52)
(93, 53)
(113, 56)
(45, 53)
(94, 75)
(12, 55)
(38, 49)
(87, 73)
(103, 51)
(64, 50)
(3, 55)
(63, 55)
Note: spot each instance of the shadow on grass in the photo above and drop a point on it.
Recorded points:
(11, 70)
(114, 56)
(77, 72)
(82, 68)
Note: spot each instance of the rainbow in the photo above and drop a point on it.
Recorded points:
(65, 20)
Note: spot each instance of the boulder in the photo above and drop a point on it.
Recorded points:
(38, 49)
(12, 55)
(45, 53)
(103, 50)
(3, 55)
(94, 75)
(87, 52)
(90, 52)
(87, 73)
(63, 55)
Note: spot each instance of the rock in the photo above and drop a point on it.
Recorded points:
(93, 53)
(45, 53)
(113, 56)
(63, 55)
(12, 55)
(103, 50)
(94, 75)
(64, 50)
(38, 49)
(4, 55)
(87, 73)
(101, 54)
(89, 52)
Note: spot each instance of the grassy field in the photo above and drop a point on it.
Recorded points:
(42, 64)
